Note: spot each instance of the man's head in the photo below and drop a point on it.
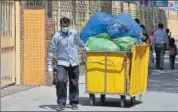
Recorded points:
(167, 30)
(160, 25)
(142, 26)
(137, 20)
(64, 23)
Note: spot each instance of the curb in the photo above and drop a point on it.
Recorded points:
(7, 85)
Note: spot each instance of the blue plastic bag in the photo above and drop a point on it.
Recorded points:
(123, 25)
(118, 30)
(97, 24)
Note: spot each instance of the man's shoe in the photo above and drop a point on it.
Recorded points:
(74, 106)
(60, 108)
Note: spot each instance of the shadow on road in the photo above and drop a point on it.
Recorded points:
(84, 101)
(163, 80)
(53, 107)
(109, 102)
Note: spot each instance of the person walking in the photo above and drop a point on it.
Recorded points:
(160, 43)
(148, 41)
(64, 44)
(172, 52)
(144, 33)
(169, 34)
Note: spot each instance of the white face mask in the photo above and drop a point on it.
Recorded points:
(65, 29)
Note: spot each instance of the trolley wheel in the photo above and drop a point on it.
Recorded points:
(102, 99)
(122, 103)
(132, 100)
(92, 99)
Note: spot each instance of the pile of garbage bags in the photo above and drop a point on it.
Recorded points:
(97, 24)
(101, 44)
(104, 32)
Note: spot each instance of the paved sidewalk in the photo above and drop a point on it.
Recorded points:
(44, 99)
(162, 95)
(14, 89)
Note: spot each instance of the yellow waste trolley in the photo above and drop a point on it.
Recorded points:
(121, 73)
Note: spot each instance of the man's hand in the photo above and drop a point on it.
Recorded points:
(86, 48)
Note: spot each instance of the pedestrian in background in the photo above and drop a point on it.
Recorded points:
(137, 21)
(172, 52)
(148, 41)
(169, 34)
(144, 33)
(64, 44)
(160, 43)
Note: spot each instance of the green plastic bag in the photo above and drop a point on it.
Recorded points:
(102, 35)
(101, 44)
(125, 43)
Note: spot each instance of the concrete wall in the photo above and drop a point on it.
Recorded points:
(172, 18)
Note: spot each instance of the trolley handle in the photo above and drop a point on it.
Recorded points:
(113, 63)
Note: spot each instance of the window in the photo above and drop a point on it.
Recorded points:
(6, 18)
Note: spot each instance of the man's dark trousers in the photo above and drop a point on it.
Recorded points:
(172, 61)
(61, 86)
(160, 52)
